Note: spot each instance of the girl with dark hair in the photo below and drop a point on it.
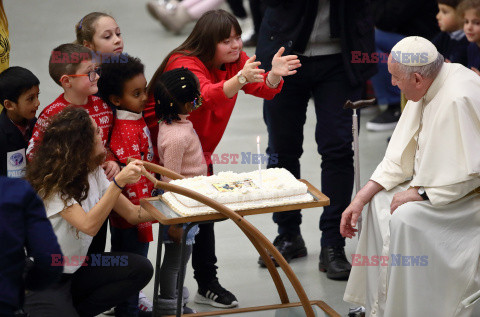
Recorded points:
(177, 94)
(66, 173)
(213, 52)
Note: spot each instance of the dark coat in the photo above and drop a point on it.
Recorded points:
(11, 139)
(290, 23)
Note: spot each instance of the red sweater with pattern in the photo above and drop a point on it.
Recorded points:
(96, 108)
(131, 138)
(211, 119)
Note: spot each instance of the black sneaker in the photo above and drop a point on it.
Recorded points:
(387, 120)
(215, 295)
(290, 247)
(335, 263)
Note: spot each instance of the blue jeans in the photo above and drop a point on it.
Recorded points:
(382, 81)
(324, 79)
(126, 240)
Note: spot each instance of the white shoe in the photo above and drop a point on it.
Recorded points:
(144, 303)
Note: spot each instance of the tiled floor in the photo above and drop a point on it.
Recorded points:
(36, 27)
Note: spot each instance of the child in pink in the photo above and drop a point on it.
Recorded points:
(177, 93)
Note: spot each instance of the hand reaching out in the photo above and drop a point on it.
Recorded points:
(284, 65)
(252, 72)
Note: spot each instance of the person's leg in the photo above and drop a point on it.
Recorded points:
(285, 116)
(203, 255)
(198, 9)
(126, 240)
(385, 92)
(169, 278)
(53, 301)
(109, 279)
(237, 8)
(334, 138)
(205, 270)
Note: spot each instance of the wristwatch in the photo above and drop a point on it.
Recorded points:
(241, 79)
(421, 191)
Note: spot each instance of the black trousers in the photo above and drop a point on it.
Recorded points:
(322, 78)
(92, 289)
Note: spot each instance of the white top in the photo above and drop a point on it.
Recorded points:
(436, 143)
(75, 244)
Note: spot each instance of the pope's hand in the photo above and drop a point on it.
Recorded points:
(350, 218)
(406, 196)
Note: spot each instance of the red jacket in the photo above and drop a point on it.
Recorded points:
(211, 119)
(131, 138)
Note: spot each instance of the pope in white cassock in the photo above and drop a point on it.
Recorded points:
(419, 249)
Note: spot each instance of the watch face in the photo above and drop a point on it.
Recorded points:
(421, 191)
(242, 79)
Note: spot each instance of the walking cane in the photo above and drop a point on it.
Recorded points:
(357, 311)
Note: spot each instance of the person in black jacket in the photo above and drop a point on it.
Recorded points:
(24, 227)
(323, 34)
(19, 90)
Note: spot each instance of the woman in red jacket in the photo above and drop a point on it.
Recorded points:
(213, 52)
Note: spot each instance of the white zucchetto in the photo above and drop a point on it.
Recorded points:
(414, 51)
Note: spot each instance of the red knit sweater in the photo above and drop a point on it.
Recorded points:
(211, 119)
(131, 138)
(96, 108)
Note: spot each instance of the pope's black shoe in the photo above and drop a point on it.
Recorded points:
(335, 263)
(289, 246)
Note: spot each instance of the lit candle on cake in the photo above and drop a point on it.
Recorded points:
(259, 160)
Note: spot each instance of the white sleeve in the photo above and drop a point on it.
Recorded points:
(443, 195)
(55, 204)
(102, 181)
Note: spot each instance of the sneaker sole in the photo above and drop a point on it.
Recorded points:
(300, 254)
(199, 299)
(371, 126)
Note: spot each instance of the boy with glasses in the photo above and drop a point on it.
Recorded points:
(71, 66)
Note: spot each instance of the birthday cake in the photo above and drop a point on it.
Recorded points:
(240, 191)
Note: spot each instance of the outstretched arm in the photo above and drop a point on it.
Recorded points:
(354, 210)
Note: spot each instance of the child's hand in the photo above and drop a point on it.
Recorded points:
(111, 169)
(476, 71)
(175, 233)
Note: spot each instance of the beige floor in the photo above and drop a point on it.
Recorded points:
(36, 27)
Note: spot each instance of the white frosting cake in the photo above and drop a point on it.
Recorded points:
(277, 187)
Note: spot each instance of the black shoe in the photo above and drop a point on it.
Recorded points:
(335, 263)
(387, 120)
(290, 247)
(215, 295)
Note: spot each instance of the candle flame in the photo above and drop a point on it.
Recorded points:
(258, 139)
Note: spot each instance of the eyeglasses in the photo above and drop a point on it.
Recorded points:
(92, 75)
(197, 102)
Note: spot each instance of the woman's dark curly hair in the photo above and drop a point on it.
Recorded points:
(172, 90)
(64, 158)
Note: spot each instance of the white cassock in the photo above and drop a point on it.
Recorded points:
(433, 246)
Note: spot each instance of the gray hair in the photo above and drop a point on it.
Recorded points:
(426, 71)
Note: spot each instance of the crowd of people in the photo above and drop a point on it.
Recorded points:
(423, 198)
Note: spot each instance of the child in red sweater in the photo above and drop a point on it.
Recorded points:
(177, 94)
(123, 86)
(72, 68)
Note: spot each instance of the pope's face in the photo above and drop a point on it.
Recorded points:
(408, 84)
